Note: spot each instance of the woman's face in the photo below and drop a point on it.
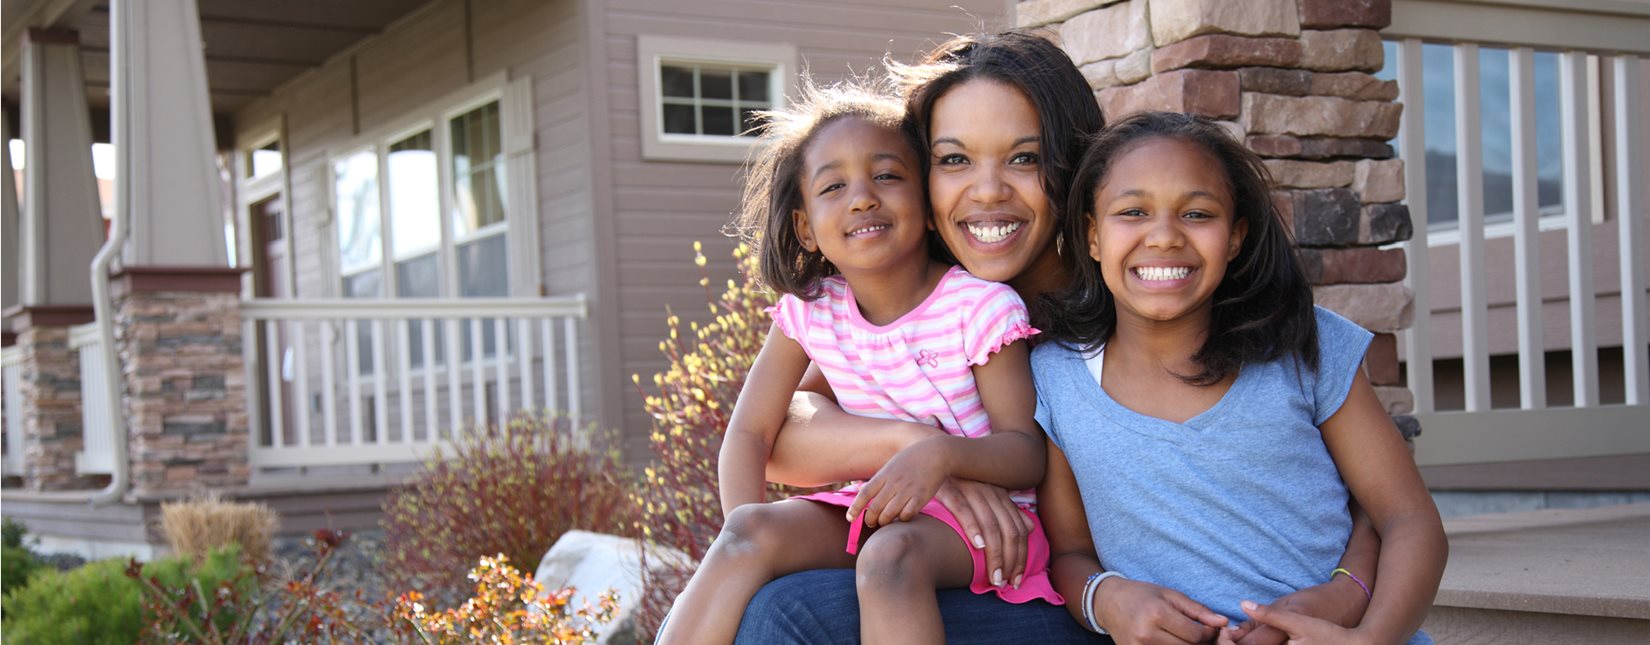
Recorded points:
(986, 185)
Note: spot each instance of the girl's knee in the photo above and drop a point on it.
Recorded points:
(892, 558)
(751, 531)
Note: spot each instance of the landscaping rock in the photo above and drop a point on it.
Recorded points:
(592, 563)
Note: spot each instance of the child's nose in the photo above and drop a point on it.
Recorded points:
(1164, 233)
(863, 199)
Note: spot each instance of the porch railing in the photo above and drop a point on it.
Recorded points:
(346, 382)
(1535, 429)
(11, 382)
(97, 453)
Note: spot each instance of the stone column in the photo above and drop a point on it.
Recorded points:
(52, 244)
(178, 331)
(176, 301)
(1292, 79)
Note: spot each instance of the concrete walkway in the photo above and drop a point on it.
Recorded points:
(1572, 576)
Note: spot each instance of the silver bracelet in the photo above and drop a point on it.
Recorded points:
(1089, 588)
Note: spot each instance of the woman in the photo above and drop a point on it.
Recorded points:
(1006, 117)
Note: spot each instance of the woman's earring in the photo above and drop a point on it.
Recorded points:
(1060, 245)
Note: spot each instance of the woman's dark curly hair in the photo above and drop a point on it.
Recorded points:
(773, 183)
(1262, 307)
(1067, 113)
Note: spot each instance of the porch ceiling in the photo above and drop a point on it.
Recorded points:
(252, 46)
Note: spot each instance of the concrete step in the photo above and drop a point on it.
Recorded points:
(1566, 576)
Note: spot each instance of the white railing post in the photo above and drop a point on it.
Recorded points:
(1532, 368)
(1572, 74)
(1412, 140)
(11, 381)
(1469, 173)
(1629, 183)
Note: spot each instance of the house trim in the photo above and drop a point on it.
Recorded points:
(155, 279)
(1595, 25)
(653, 51)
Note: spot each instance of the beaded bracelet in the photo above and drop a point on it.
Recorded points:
(1089, 588)
(1342, 570)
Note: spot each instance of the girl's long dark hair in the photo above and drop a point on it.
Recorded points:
(1262, 308)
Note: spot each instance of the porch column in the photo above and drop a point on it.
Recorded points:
(10, 247)
(176, 300)
(1291, 79)
(59, 232)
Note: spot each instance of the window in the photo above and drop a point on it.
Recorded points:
(712, 100)
(422, 211)
(263, 160)
(699, 97)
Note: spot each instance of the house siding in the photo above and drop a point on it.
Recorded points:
(436, 51)
(660, 208)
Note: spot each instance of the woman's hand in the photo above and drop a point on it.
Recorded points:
(904, 485)
(993, 522)
(1141, 612)
(1300, 629)
(1338, 601)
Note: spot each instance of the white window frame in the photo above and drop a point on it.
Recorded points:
(435, 118)
(652, 52)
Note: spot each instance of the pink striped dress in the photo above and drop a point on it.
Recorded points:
(919, 368)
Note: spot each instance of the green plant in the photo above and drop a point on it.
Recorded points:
(100, 603)
(695, 396)
(18, 561)
(512, 490)
(507, 607)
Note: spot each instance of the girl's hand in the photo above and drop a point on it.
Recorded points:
(1141, 612)
(903, 486)
(1299, 628)
(1338, 601)
(992, 522)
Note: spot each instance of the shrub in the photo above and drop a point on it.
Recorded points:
(507, 608)
(17, 562)
(707, 366)
(99, 603)
(511, 490)
(198, 526)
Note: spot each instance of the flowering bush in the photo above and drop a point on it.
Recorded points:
(507, 607)
(678, 497)
(512, 490)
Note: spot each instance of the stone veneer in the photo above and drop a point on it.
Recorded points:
(178, 334)
(52, 423)
(1291, 78)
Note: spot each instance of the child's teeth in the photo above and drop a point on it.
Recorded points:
(1162, 273)
(990, 234)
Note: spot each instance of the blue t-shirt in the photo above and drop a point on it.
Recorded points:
(1241, 502)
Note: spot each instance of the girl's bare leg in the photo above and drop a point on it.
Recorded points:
(758, 543)
(898, 570)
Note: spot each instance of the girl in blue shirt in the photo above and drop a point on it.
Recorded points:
(1206, 421)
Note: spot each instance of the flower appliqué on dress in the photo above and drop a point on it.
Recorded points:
(928, 357)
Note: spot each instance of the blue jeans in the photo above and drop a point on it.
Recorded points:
(821, 608)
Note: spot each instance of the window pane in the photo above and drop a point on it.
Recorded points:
(679, 119)
(753, 87)
(676, 81)
(366, 284)
(718, 120)
(360, 236)
(419, 277)
(483, 268)
(264, 161)
(1549, 132)
(478, 180)
(716, 84)
(415, 216)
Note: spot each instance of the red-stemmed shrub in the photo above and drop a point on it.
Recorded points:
(510, 490)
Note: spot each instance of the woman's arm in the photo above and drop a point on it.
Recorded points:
(1012, 456)
(1133, 611)
(756, 418)
(820, 444)
(1382, 476)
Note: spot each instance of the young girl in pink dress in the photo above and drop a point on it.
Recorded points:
(837, 194)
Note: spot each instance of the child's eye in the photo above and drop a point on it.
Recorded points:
(1132, 212)
(1024, 158)
(1197, 215)
(887, 176)
(952, 159)
(830, 188)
